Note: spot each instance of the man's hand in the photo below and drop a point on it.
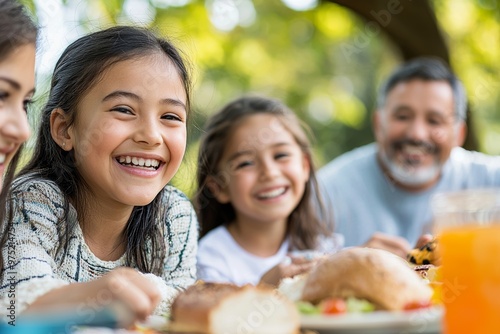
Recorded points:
(394, 244)
(424, 239)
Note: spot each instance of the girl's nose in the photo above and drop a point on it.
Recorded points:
(269, 169)
(16, 128)
(148, 132)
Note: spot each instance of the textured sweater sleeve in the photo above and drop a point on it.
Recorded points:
(29, 266)
(181, 236)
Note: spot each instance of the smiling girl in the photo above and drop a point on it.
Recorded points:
(93, 220)
(257, 196)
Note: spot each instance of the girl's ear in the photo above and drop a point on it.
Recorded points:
(59, 129)
(306, 164)
(217, 191)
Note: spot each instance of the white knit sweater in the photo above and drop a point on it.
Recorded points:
(32, 267)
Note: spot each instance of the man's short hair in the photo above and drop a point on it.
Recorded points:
(427, 69)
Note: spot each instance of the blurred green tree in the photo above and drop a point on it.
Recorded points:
(325, 59)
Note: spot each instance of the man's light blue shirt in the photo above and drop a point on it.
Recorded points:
(365, 201)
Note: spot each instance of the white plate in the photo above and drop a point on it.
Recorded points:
(425, 321)
(154, 322)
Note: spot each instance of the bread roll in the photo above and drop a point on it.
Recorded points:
(216, 308)
(378, 276)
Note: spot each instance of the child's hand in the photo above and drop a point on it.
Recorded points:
(291, 267)
(132, 289)
(124, 286)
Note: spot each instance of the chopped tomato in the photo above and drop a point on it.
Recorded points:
(333, 306)
(417, 305)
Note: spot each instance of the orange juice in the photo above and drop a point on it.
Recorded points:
(471, 278)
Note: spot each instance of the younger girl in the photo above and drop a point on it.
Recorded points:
(257, 195)
(92, 221)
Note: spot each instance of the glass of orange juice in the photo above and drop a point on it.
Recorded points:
(467, 225)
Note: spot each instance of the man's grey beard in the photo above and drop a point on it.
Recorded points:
(407, 175)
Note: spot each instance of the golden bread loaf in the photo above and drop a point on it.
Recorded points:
(217, 308)
(378, 276)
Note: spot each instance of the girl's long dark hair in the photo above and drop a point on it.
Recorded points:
(308, 219)
(16, 29)
(80, 66)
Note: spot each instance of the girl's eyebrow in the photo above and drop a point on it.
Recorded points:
(133, 96)
(249, 152)
(121, 93)
(15, 84)
(282, 144)
(11, 82)
(238, 154)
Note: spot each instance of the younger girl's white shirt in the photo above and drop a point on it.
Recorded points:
(221, 259)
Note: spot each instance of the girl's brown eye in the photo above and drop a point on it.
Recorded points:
(122, 110)
(281, 155)
(172, 117)
(26, 104)
(243, 164)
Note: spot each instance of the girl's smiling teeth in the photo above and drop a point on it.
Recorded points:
(272, 193)
(138, 162)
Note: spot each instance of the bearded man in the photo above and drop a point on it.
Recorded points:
(381, 193)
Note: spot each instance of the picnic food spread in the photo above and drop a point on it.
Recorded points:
(352, 280)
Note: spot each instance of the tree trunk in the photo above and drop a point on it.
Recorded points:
(413, 27)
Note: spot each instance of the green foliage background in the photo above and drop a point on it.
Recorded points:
(325, 63)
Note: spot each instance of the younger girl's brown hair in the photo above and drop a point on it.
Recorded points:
(308, 219)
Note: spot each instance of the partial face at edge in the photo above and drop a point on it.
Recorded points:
(416, 131)
(17, 81)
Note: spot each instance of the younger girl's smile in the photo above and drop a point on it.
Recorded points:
(272, 194)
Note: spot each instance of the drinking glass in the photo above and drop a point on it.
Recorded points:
(467, 225)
